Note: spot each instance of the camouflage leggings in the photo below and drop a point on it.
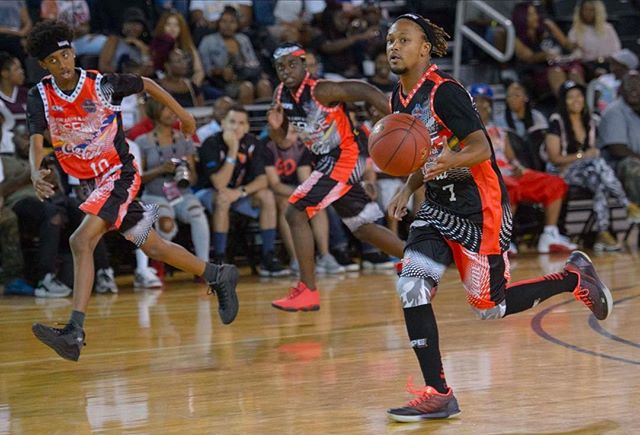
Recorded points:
(10, 251)
(629, 174)
(597, 176)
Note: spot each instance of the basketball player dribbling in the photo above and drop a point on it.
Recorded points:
(316, 110)
(465, 218)
(81, 111)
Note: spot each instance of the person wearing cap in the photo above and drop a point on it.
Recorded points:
(316, 108)
(572, 152)
(80, 110)
(524, 184)
(130, 44)
(619, 137)
(465, 218)
(605, 87)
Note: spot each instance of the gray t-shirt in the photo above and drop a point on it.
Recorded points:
(620, 125)
(154, 156)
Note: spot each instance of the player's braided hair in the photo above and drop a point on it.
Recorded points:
(44, 33)
(433, 34)
(440, 37)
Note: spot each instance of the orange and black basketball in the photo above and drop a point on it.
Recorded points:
(399, 144)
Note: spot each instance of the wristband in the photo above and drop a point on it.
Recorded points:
(230, 160)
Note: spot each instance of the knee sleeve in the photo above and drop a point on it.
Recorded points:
(414, 291)
(493, 313)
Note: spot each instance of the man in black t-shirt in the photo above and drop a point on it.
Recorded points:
(231, 176)
(465, 218)
(287, 165)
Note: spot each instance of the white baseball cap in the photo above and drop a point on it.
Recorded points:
(626, 57)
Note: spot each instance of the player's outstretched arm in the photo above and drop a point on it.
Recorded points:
(350, 91)
(162, 96)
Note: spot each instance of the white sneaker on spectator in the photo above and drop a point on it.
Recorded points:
(328, 264)
(51, 287)
(105, 281)
(554, 242)
(605, 242)
(146, 278)
(294, 267)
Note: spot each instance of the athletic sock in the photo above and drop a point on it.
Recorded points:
(142, 261)
(268, 240)
(219, 243)
(77, 319)
(523, 295)
(423, 333)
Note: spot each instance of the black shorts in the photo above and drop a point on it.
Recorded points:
(350, 201)
(113, 199)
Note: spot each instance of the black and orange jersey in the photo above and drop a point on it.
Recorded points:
(468, 205)
(326, 131)
(86, 128)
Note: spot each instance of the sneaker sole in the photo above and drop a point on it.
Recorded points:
(293, 310)
(61, 352)
(606, 291)
(416, 418)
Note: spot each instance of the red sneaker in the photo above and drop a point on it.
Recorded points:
(429, 404)
(300, 298)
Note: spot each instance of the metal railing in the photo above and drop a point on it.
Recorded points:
(462, 30)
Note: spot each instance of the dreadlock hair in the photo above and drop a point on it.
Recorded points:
(440, 37)
(44, 32)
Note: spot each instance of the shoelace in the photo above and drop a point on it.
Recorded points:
(583, 295)
(421, 394)
(295, 291)
(221, 293)
(61, 331)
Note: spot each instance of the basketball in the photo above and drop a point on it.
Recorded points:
(399, 144)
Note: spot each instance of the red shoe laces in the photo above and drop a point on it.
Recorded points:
(421, 394)
(582, 295)
(295, 291)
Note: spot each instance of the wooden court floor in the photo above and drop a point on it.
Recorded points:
(161, 362)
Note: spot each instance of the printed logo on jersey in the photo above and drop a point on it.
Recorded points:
(89, 106)
(317, 135)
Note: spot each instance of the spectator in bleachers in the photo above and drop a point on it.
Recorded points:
(593, 35)
(45, 219)
(7, 123)
(230, 61)
(205, 15)
(131, 44)
(287, 165)
(168, 170)
(572, 152)
(521, 118)
(342, 42)
(171, 32)
(12, 92)
(382, 75)
(177, 82)
(605, 87)
(108, 17)
(132, 106)
(619, 135)
(523, 184)
(220, 108)
(15, 24)
(11, 259)
(313, 65)
(538, 50)
(231, 175)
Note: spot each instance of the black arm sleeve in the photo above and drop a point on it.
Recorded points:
(121, 85)
(454, 106)
(36, 119)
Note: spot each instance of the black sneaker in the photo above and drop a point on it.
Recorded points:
(344, 259)
(376, 261)
(590, 290)
(67, 342)
(225, 289)
(271, 266)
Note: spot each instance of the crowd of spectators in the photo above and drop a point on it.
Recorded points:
(217, 54)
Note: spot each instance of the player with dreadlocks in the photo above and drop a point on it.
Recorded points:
(465, 218)
(81, 111)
